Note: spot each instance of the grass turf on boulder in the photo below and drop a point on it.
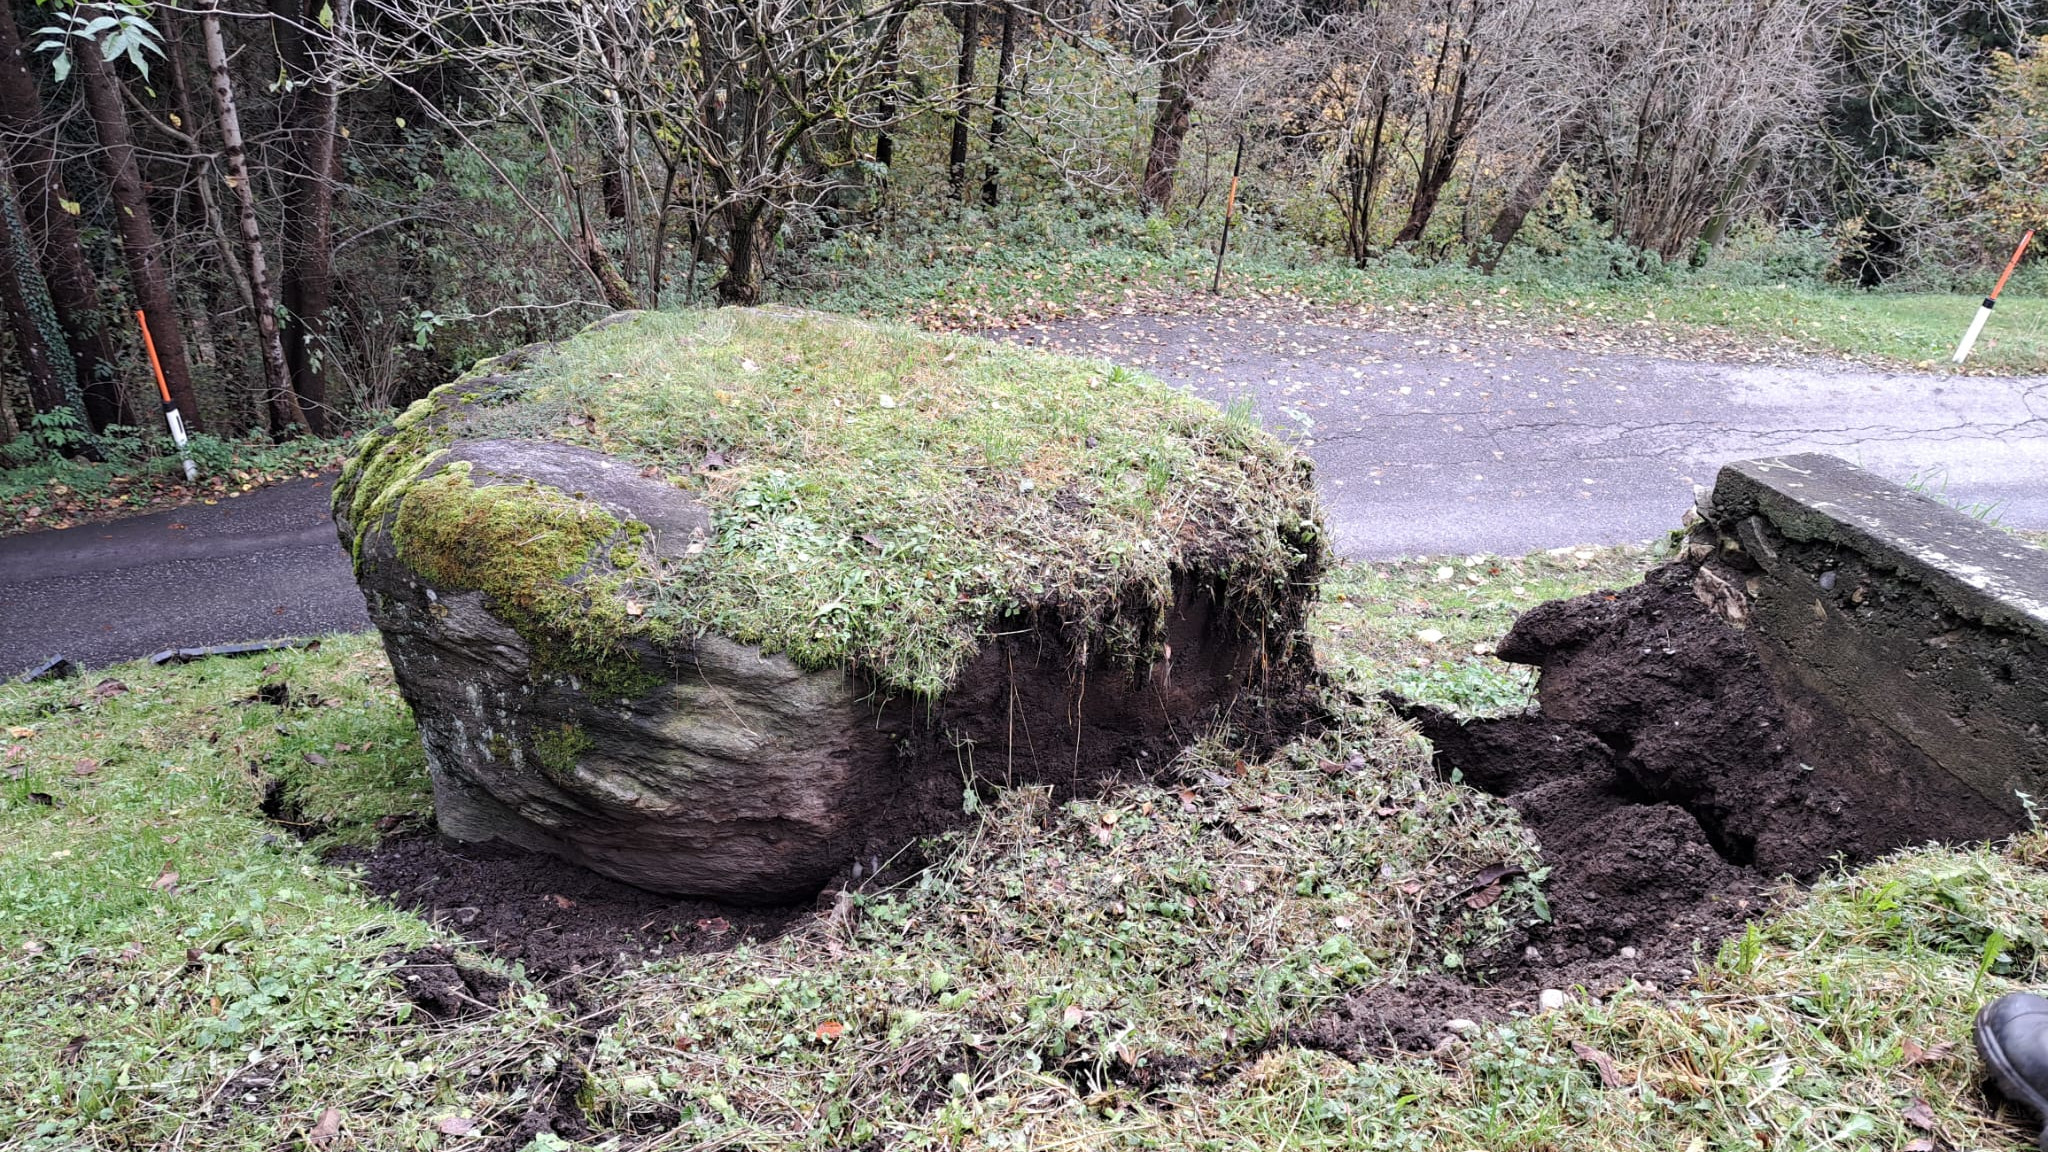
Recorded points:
(715, 602)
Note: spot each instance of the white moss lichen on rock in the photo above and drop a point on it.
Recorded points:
(878, 519)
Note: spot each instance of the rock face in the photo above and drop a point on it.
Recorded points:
(1921, 625)
(513, 580)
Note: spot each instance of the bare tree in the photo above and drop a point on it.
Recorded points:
(761, 102)
(1186, 49)
(1700, 95)
(280, 401)
(312, 118)
(148, 272)
(969, 16)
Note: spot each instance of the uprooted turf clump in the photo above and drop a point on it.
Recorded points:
(879, 497)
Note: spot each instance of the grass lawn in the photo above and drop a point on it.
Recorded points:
(177, 971)
(1699, 314)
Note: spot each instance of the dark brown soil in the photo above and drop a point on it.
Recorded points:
(441, 985)
(558, 920)
(1672, 773)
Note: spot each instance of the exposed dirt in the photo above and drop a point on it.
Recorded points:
(444, 987)
(1673, 772)
(559, 920)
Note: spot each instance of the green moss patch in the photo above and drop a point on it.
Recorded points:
(880, 497)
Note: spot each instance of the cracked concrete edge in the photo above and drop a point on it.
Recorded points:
(1976, 570)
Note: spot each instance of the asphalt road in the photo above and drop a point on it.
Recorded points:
(1423, 446)
(262, 566)
(1448, 446)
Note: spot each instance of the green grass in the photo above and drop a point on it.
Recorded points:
(881, 497)
(995, 1002)
(978, 278)
(1425, 627)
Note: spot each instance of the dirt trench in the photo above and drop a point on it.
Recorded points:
(1674, 771)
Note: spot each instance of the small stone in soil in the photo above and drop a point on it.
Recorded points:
(1551, 999)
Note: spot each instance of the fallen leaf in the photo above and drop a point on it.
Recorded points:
(1915, 1054)
(325, 1128)
(165, 881)
(1494, 874)
(454, 1125)
(562, 902)
(20, 733)
(1429, 635)
(1919, 1144)
(1919, 1115)
(716, 926)
(830, 1030)
(1483, 898)
(131, 950)
(316, 759)
(108, 687)
(635, 607)
(1609, 1078)
(1071, 1018)
(72, 1050)
(85, 767)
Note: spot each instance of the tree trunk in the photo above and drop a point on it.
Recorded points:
(148, 276)
(308, 232)
(1174, 111)
(1364, 176)
(991, 188)
(1717, 224)
(280, 400)
(618, 294)
(750, 231)
(1439, 161)
(963, 106)
(1507, 223)
(40, 360)
(885, 140)
(53, 231)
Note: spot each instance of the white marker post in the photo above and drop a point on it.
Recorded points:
(163, 388)
(1991, 301)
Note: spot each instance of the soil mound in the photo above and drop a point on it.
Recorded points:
(1673, 770)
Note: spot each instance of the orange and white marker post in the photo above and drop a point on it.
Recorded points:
(163, 388)
(1991, 301)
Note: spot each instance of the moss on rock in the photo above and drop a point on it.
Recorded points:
(880, 498)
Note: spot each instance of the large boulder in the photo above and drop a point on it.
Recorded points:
(715, 603)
